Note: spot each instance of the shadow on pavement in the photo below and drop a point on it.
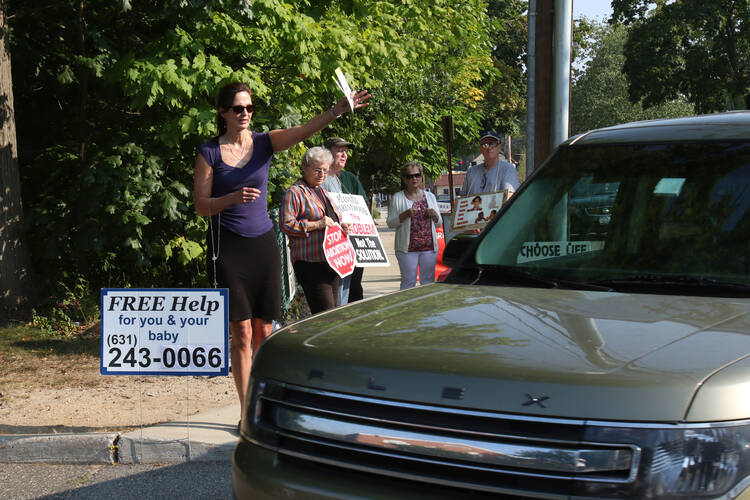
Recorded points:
(185, 481)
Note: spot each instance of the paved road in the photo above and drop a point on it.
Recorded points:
(189, 480)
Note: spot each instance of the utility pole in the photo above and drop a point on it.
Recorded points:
(549, 85)
(543, 23)
(448, 140)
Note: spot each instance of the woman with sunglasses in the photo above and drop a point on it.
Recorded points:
(230, 186)
(306, 212)
(414, 213)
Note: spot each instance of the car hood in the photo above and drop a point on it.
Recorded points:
(593, 355)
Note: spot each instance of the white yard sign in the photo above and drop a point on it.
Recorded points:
(362, 230)
(164, 331)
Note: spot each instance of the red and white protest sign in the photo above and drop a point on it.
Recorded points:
(363, 233)
(338, 251)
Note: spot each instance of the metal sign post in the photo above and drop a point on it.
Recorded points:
(448, 139)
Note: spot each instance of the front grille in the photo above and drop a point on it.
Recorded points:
(478, 451)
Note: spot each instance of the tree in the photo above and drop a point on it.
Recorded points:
(600, 89)
(443, 75)
(122, 112)
(691, 48)
(505, 82)
(15, 283)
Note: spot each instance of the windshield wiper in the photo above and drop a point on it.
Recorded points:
(529, 277)
(657, 280)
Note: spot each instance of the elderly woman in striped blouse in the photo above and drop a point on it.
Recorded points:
(306, 211)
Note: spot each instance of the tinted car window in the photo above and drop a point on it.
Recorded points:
(631, 211)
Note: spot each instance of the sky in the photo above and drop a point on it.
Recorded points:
(596, 9)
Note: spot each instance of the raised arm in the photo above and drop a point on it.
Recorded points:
(283, 139)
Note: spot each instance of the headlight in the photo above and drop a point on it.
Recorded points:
(684, 462)
(704, 461)
(254, 413)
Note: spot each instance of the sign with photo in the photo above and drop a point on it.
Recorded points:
(158, 331)
(362, 230)
(475, 211)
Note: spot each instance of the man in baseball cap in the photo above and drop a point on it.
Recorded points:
(340, 150)
(337, 141)
(493, 174)
(341, 181)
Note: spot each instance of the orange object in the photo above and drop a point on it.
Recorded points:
(441, 271)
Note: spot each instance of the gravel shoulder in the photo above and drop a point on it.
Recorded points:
(71, 395)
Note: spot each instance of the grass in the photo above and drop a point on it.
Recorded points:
(30, 357)
(36, 356)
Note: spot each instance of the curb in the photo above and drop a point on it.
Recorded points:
(149, 451)
(93, 448)
(108, 448)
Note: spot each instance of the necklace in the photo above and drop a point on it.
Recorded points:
(415, 196)
(214, 246)
(242, 149)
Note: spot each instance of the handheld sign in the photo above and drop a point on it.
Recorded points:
(340, 80)
(363, 232)
(338, 251)
(161, 331)
(475, 211)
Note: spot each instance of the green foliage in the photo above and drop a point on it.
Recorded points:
(443, 55)
(504, 88)
(56, 324)
(70, 313)
(298, 309)
(113, 99)
(600, 94)
(691, 48)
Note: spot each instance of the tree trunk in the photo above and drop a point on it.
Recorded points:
(15, 282)
(83, 78)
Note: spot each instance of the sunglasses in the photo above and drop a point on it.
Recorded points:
(489, 145)
(238, 109)
(413, 176)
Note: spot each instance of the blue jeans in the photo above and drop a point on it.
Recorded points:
(344, 290)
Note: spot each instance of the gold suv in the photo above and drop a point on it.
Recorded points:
(554, 362)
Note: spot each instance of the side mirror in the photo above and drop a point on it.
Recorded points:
(456, 248)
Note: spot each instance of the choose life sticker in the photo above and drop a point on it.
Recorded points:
(157, 331)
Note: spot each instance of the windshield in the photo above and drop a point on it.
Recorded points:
(603, 214)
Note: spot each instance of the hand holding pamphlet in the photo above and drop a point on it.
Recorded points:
(342, 84)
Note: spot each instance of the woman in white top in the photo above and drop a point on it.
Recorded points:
(414, 213)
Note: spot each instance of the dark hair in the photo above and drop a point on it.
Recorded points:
(225, 100)
(476, 198)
